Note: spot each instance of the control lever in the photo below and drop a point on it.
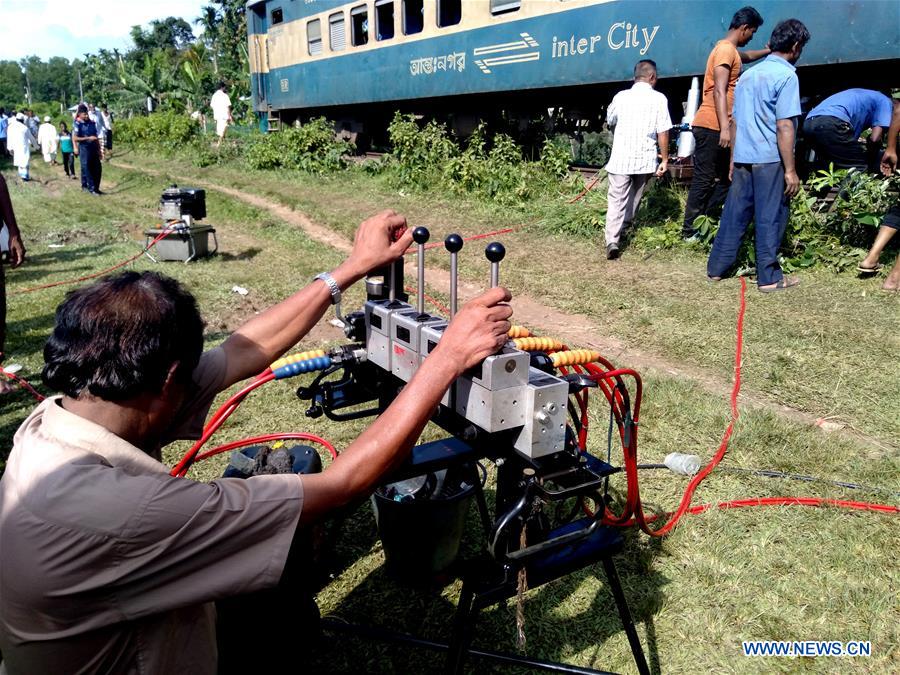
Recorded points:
(420, 236)
(392, 291)
(453, 243)
(495, 252)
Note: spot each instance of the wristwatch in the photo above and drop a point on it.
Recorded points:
(332, 286)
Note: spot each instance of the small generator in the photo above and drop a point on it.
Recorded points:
(180, 209)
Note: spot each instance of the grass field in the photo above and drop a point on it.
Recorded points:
(828, 349)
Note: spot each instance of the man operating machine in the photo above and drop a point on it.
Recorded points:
(107, 558)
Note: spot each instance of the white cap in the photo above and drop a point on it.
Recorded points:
(46, 118)
(20, 117)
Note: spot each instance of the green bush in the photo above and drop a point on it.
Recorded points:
(491, 168)
(831, 234)
(312, 148)
(168, 131)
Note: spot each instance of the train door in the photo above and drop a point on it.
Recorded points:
(260, 55)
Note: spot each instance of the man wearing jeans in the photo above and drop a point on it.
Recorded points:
(640, 116)
(766, 108)
(711, 125)
(834, 126)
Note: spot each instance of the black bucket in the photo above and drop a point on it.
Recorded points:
(421, 535)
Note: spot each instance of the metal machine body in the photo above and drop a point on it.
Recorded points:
(509, 409)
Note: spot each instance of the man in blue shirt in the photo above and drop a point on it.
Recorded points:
(87, 147)
(833, 128)
(4, 122)
(764, 178)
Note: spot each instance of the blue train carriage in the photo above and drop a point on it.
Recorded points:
(361, 60)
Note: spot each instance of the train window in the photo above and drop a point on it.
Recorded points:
(413, 16)
(504, 6)
(449, 12)
(337, 31)
(277, 16)
(359, 25)
(384, 19)
(314, 36)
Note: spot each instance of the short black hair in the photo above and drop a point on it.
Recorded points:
(118, 338)
(644, 68)
(82, 108)
(786, 34)
(222, 85)
(746, 16)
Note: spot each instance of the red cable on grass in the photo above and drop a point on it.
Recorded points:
(22, 383)
(586, 190)
(437, 303)
(162, 234)
(723, 446)
(781, 501)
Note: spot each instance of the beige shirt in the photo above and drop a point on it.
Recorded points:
(109, 565)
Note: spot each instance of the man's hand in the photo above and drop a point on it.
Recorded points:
(662, 168)
(16, 251)
(379, 240)
(478, 330)
(731, 171)
(889, 162)
(725, 137)
(791, 184)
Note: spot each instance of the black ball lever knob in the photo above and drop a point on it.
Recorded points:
(495, 252)
(453, 243)
(421, 235)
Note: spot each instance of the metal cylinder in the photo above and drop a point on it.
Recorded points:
(495, 274)
(392, 291)
(420, 287)
(454, 276)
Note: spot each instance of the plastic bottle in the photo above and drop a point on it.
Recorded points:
(686, 465)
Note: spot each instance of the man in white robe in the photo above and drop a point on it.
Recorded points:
(48, 139)
(20, 142)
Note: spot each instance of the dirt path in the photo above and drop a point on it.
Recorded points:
(573, 329)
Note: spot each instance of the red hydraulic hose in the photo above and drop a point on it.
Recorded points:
(268, 438)
(22, 383)
(161, 235)
(723, 446)
(217, 420)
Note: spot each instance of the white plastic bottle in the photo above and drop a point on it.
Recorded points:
(678, 462)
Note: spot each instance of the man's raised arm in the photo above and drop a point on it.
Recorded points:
(251, 348)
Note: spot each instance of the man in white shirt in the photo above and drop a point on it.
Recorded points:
(221, 107)
(641, 120)
(48, 139)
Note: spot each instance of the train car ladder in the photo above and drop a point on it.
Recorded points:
(273, 120)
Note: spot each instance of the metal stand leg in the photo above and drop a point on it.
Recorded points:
(462, 631)
(625, 615)
(482, 503)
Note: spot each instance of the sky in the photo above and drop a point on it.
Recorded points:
(72, 28)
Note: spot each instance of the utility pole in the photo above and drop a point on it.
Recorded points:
(27, 86)
(80, 87)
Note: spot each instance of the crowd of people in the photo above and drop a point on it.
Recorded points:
(744, 161)
(90, 139)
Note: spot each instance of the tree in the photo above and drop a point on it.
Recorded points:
(169, 34)
(12, 84)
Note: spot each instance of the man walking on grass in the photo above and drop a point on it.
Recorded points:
(221, 107)
(711, 125)
(764, 178)
(641, 120)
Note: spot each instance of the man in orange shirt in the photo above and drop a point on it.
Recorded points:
(712, 123)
